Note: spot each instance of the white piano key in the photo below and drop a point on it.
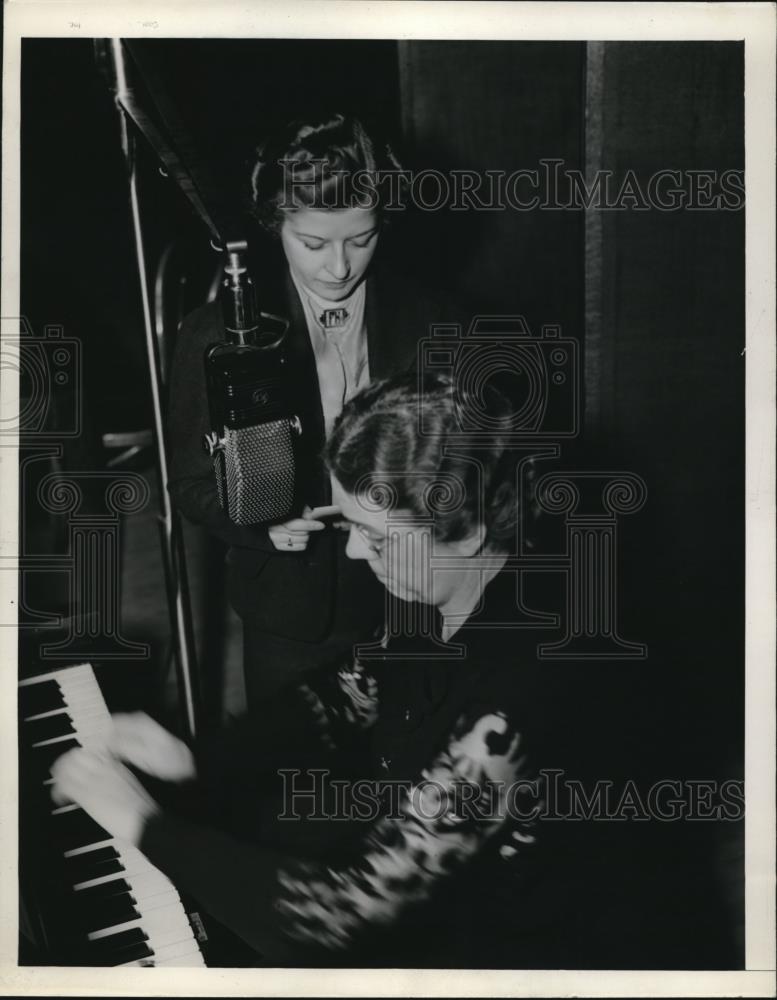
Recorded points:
(177, 950)
(146, 885)
(129, 857)
(146, 879)
(75, 851)
(147, 904)
(70, 807)
(191, 958)
(183, 954)
(45, 715)
(55, 739)
(172, 933)
(162, 927)
(163, 919)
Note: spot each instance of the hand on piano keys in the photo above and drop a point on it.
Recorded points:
(105, 789)
(121, 910)
(137, 739)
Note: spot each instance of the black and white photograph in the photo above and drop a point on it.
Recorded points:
(388, 495)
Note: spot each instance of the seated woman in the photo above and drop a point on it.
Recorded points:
(431, 855)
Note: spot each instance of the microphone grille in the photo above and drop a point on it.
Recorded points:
(258, 472)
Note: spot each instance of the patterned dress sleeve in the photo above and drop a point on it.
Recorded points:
(342, 702)
(285, 909)
(464, 803)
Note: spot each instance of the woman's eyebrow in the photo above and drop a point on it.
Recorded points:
(366, 232)
(323, 239)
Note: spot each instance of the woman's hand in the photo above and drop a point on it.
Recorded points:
(106, 790)
(140, 741)
(293, 535)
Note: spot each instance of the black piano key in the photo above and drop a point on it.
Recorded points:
(37, 698)
(48, 728)
(96, 893)
(135, 951)
(115, 942)
(75, 828)
(100, 870)
(111, 912)
(93, 864)
(43, 757)
(107, 853)
(132, 953)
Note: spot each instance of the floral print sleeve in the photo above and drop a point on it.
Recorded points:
(341, 700)
(456, 810)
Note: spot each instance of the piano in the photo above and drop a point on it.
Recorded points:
(87, 898)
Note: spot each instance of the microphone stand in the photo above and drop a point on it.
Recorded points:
(173, 552)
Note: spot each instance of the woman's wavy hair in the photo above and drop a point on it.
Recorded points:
(324, 163)
(417, 443)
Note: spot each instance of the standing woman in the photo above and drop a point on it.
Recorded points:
(317, 191)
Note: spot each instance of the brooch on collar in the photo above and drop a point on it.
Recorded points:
(330, 319)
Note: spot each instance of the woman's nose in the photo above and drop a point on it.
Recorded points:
(339, 266)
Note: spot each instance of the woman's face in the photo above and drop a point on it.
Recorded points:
(329, 250)
(398, 550)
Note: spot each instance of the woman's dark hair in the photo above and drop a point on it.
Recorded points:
(324, 163)
(418, 443)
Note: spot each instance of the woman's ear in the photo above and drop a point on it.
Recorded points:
(473, 543)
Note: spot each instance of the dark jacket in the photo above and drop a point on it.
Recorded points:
(419, 885)
(295, 595)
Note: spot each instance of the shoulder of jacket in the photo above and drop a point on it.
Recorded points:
(204, 317)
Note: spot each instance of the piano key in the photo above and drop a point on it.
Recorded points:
(94, 709)
(59, 724)
(148, 884)
(192, 960)
(92, 704)
(75, 828)
(43, 757)
(41, 697)
(181, 953)
(165, 935)
(167, 924)
(65, 808)
(124, 870)
(158, 900)
(162, 926)
(138, 954)
(108, 913)
(131, 861)
(74, 852)
(82, 868)
(102, 890)
(52, 741)
(130, 857)
(143, 920)
(83, 877)
(115, 939)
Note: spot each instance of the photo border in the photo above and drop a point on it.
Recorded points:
(438, 19)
